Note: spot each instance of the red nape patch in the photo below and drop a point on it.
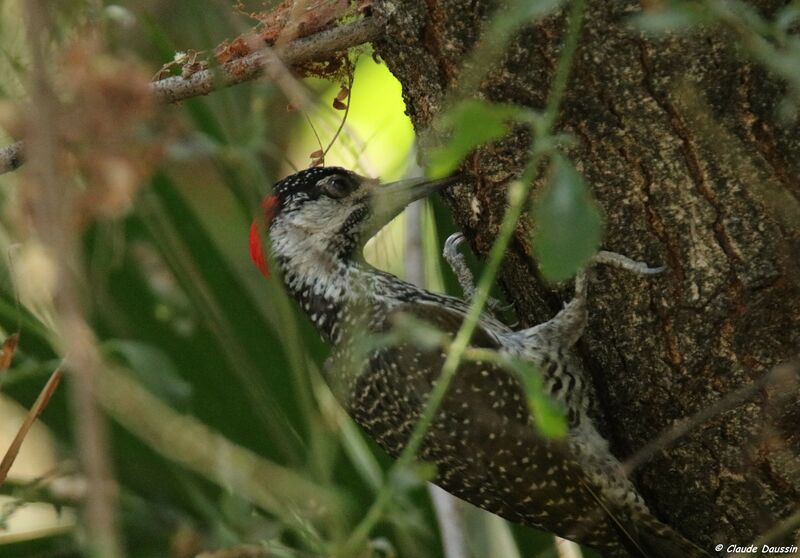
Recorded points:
(256, 246)
(257, 250)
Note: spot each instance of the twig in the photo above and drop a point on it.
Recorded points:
(54, 488)
(177, 88)
(344, 118)
(323, 44)
(30, 418)
(316, 135)
(780, 530)
(51, 207)
(783, 373)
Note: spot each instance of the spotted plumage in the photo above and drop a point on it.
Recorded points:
(482, 440)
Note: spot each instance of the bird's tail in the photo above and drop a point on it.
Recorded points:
(650, 538)
(644, 536)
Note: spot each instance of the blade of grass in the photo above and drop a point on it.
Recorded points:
(183, 439)
(204, 272)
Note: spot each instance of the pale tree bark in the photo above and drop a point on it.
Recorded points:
(679, 140)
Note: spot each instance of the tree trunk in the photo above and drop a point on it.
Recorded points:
(679, 140)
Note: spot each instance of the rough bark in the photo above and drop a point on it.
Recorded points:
(679, 140)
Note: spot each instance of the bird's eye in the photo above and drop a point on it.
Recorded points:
(337, 186)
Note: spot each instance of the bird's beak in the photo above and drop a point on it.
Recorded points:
(390, 199)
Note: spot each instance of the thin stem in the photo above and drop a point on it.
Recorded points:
(518, 197)
(559, 86)
(316, 134)
(344, 117)
(783, 377)
(185, 440)
(51, 204)
(780, 530)
(448, 514)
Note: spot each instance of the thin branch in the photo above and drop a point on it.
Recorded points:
(177, 88)
(55, 487)
(779, 531)
(784, 375)
(344, 117)
(51, 212)
(34, 413)
(319, 45)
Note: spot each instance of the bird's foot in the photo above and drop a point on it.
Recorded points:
(458, 263)
(624, 262)
(566, 327)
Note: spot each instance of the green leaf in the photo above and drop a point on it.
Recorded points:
(153, 368)
(239, 333)
(473, 123)
(568, 223)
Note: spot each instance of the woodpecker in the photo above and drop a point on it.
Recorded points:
(483, 441)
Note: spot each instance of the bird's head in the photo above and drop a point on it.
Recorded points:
(330, 210)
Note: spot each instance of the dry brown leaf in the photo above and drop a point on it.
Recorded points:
(316, 154)
(344, 92)
(7, 353)
(238, 48)
(39, 406)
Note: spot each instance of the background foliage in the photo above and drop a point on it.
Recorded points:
(222, 432)
(175, 301)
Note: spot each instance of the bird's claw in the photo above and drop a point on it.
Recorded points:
(624, 262)
(458, 264)
(452, 244)
(497, 306)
